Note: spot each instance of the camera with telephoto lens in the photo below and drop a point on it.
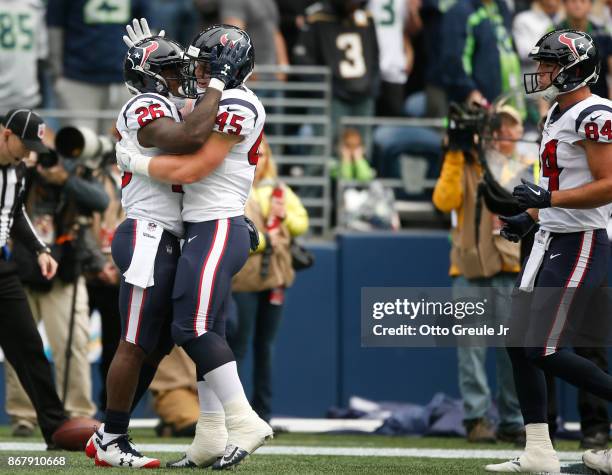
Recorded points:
(468, 124)
(78, 143)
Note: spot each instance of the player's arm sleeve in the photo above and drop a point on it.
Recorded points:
(448, 193)
(594, 123)
(296, 217)
(458, 47)
(23, 231)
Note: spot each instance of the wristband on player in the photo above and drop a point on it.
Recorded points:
(216, 84)
(140, 165)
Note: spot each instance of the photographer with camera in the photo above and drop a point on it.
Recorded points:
(20, 134)
(483, 260)
(61, 196)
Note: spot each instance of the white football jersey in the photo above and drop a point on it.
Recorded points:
(141, 196)
(563, 162)
(390, 17)
(223, 193)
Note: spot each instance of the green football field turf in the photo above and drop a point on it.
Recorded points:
(290, 464)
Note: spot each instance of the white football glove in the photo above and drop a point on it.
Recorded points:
(138, 31)
(130, 159)
(123, 157)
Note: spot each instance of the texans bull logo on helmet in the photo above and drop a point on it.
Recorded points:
(225, 38)
(578, 44)
(139, 55)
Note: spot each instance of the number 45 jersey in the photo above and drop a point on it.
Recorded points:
(224, 192)
(563, 160)
(141, 196)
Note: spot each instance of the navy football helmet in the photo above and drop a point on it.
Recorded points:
(146, 61)
(576, 54)
(201, 50)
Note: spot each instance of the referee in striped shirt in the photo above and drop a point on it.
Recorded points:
(21, 131)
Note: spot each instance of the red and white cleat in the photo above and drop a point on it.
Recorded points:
(121, 453)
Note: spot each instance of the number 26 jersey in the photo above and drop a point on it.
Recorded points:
(141, 196)
(563, 161)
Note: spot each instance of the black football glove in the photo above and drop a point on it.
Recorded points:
(530, 195)
(253, 234)
(226, 62)
(516, 227)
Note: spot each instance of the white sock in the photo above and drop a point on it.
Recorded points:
(108, 437)
(538, 437)
(225, 382)
(209, 402)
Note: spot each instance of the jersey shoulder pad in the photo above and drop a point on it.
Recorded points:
(594, 121)
(240, 112)
(144, 108)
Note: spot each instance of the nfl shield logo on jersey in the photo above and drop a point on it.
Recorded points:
(152, 227)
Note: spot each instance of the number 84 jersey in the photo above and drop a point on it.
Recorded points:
(563, 160)
(224, 192)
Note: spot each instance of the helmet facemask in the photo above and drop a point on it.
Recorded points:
(575, 55)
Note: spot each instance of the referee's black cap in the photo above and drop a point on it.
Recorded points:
(28, 126)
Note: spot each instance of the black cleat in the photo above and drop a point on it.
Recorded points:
(232, 457)
(183, 462)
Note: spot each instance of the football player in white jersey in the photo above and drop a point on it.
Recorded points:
(217, 180)
(146, 245)
(571, 250)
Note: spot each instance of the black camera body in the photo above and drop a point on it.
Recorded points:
(468, 128)
(468, 125)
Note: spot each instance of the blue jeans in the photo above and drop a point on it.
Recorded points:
(473, 384)
(179, 18)
(391, 141)
(256, 315)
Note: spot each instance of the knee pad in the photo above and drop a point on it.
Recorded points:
(208, 351)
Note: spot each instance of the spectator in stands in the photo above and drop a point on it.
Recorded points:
(393, 141)
(23, 53)
(391, 18)
(259, 288)
(175, 395)
(352, 164)
(209, 13)
(61, 199)
(529, 26)
(482, 261)
(180, 21)
(478, 58)
(292, 18)
(87, 52)
(341, 35)
(261, 20)
(432, 13)
(103, 287)
(577, 17)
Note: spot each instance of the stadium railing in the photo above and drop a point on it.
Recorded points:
(413, 188)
